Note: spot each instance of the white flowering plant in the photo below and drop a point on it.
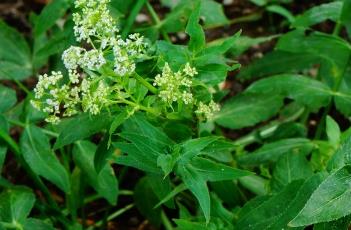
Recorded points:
(116, 113)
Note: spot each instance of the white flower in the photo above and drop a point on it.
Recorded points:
(92, 59)
(188, 70)
(207, 110)
(94, 20)
(174, 86)
(72, 56)
(73, 76)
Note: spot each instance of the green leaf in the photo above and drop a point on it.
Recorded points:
(212, 13)
(281, 11)
(80, 127)
(263, 215)
(104, 182)
(282, 219)
(247, 110)
(194, 30)
(49, 15)
(340, 224)
(35, 147)
(317, 14)
(346, 16)
(31, 223)
(175, 55)
(15, 205)
(213, 171)
(197, 185)
(332, 50)
(145, 200)
(3, 151)
(9, 98)
(243, 43)
(15, 55)
(330, 201)
(341, 157)
(295, 87)
(272, 151)
(291, 166)
(278, 62)
(333, 131)
(193, 147)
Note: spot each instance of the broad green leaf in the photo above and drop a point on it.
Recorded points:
(49, 15)
(319, 14)
(213, 171)
(194, 30)
(175, 55)
(291, 209)
(342, 156)
(330, 201)
(333, 131)
(333, 51)
(145, 200)
(281, 11)
(104, 182)
(291, 166)
(15, 205)
(346, 16)
(340, 224)
(130, 155)
(212, 13)
(177, 19)
(80, 127)
(180, 188)
(15, 55)
(193, 147)
(243, 43)
(259, 2)
(278, 62)
(295, 87)
(247, 110)
(263, 215)
(36, 150)
(139, 125)
(9, 98)
(31, 223)
(197, 185)
(161, 187)
(272, 151)
(255, 184)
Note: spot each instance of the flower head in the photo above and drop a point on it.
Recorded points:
(174, 86)
(207, 111)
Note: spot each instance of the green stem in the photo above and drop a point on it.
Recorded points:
(248, 18)
(150, 87)
(131, 18)
(114, 215)
(166, 222)
(267, 130)
(337, 28)
(23, 125)
(157, 21)
(23, 87)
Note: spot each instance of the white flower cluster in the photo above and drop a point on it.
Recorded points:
(94, 21)
(125, 52)
(175, 86)
(56, 98)
(76, 56)
(207, 111)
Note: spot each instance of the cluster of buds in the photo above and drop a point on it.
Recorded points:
(175, 86)
(207, 111)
